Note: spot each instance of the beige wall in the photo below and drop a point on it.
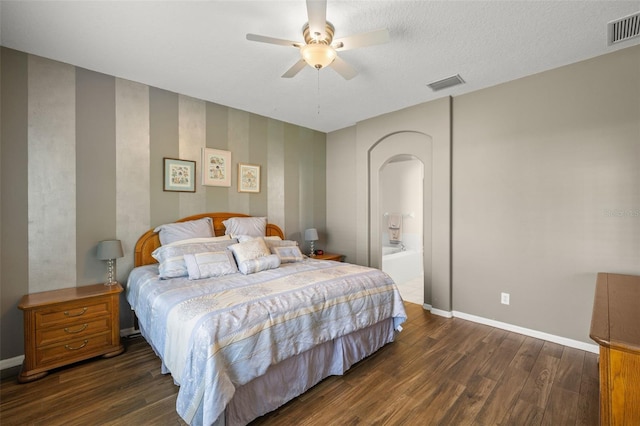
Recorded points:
(537, 165)
(545, 192)
(82, 155)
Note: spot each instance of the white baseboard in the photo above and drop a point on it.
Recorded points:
(516, 329)
(11, 362)
(529, 332)
(439, 312)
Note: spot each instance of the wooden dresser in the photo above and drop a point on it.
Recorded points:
(69, 325)
(615, 326)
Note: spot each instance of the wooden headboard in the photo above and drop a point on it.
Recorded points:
(150, 240)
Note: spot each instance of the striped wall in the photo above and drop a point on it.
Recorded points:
(82, 161)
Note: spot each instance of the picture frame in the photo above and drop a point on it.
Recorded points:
(179, 175)
(216, 167)
(248, 177)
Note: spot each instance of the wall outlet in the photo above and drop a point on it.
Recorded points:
(504, 298)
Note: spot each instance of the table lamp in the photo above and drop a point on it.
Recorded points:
(110, 250)
(311, 235)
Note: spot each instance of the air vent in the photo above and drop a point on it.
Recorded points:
(446, 82)
(624, 28)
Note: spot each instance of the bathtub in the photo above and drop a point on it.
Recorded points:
(401, 265)
(387, 250)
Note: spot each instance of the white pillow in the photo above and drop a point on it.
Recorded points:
(200, 240)
(251, 226)
(171, 232)
(249, 250)
(210, 264)
(288, 254)
(259, 264)
(171, 258)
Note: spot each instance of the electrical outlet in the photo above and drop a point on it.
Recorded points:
(504, 298)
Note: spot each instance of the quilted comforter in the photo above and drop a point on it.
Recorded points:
(214, 335)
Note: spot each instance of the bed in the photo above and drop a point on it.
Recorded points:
(242, 343)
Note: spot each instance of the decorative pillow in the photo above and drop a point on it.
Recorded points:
(199, 228)
(288, 254)
(258, 264)
(200, 240)
(251, 249)
(279, 243)
(171, 258)
(210, 264)
(251, 226)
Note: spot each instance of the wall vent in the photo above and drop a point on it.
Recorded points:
(624, 28)
(446, 82)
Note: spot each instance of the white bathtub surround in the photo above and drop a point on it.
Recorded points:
(387, 250)
(403, 266)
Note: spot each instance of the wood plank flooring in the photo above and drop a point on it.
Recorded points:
(438, 372)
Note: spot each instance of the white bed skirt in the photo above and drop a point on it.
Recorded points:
(294, 376)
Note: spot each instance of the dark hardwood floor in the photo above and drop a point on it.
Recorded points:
(438, 372)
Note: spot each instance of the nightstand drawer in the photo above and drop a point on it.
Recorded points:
(50, 335)
(76, 350)
(72, 312)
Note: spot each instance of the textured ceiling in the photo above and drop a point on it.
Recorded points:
(198, 48)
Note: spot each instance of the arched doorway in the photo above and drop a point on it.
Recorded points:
(401, 182)
(410, 150)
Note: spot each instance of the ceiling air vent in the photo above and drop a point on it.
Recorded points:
(624, 28)
(446, 82)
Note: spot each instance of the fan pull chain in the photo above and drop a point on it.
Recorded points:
(318, 91)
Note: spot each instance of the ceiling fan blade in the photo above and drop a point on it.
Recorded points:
(295, 69)
(273, 40)
(361, 40)
(317, 14)
(343, 68)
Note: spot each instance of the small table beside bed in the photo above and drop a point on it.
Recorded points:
(244, 322)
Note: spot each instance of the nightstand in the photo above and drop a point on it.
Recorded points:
(69, 325)
(329, 256)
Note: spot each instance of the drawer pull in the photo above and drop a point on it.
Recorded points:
(82, 328)
(76, 315)
(79, 347)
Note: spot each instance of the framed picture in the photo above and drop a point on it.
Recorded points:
(179, 175)
(216, 167)
(248, 178)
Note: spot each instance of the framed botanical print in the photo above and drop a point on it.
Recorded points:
(216, 167)
(179, 175)
(248, 177)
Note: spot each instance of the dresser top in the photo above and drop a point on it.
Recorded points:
(615, 322)
(34, 300)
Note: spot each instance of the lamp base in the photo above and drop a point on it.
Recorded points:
(111, 283)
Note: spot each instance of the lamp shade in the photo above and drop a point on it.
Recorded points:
(109, 249)
(311, 234)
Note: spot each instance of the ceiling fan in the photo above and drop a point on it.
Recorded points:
(319, 49)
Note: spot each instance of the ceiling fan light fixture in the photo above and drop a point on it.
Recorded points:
(318, 55)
